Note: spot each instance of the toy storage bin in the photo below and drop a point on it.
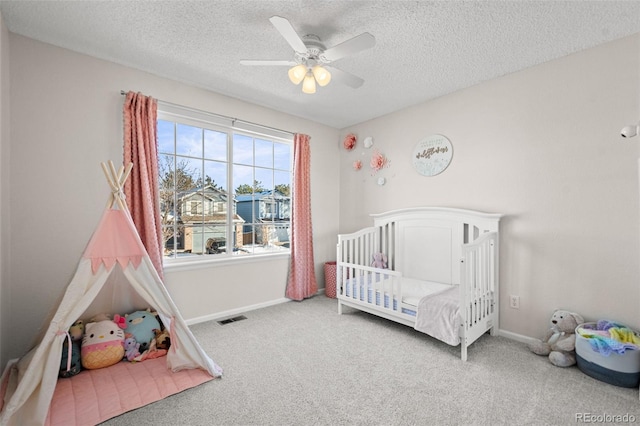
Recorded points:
(616, 369)
(330, 279)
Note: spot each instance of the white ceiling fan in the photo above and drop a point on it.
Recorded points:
(310, 63)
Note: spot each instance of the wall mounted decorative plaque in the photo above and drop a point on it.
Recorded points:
(432, 155)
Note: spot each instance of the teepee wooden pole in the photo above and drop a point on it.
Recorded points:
(106, 174)
(127, 172)
(114, 174)
(111, 185)
(116, 180)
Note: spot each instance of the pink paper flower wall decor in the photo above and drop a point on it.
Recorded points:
(357, 165)
(349, 142)
(378, 161)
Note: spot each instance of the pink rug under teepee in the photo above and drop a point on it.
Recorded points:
(94, 396)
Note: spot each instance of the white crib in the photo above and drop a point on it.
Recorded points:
(441, 276)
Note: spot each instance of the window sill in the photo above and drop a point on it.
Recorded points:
(171, 265)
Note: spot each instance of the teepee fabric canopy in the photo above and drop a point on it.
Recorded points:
(115, 245)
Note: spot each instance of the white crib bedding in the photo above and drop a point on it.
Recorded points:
(438, 315)
(413, 291)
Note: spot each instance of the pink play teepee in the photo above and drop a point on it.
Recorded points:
(115, 269)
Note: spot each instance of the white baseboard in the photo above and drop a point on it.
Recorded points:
(517, 337)
(233, 312)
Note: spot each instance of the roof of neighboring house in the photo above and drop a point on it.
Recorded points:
(208, 191)
(210, 218)
(259, 195)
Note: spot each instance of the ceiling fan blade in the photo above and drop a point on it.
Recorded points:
(344, 77)
(354, 45)
(285, 28)
(267, 62)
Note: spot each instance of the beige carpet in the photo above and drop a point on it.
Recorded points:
(300, 363)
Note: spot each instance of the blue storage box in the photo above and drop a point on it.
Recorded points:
(616, 369)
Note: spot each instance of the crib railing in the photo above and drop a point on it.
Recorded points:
(372, 285)
(361, 284)
(479, 287)
(359, 247)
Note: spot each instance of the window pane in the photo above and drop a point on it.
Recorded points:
(215, 204)
(283, 235)
(188, 174)
(284, 212)
(269, 238)
(282, 156)
(167, 195)
(243, 179)
(247, 241)
(265, 179)
(215, 238)
(188, 140)
(242, 149)
(173, 242)
(166, 137)
(165, 171)
(283, 188)
(282, 182)
(263, 153)
(215, 174)
(215, 145)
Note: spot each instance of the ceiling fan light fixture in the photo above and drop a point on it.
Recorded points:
(322, 75)
(310, 54)
(297, 73)
(309, 84)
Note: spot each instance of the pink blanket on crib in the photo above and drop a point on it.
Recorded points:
(438, 315)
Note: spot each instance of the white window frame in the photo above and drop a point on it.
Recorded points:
(205, 120)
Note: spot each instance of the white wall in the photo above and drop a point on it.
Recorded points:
(4, 182)
(66, 116)
(543, 147)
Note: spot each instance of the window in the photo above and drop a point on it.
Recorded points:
(225, 190)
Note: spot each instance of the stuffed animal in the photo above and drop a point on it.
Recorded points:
(131, 348)
(163, 341)
(379, 261)
(100, 317)
(559, 342)
(140, 325)
(75, 366)
(76, 331)
(102, 345)
(121, 321)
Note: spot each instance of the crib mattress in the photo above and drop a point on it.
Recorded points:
(413, 290)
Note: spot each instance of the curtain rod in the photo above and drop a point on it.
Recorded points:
(233, 119)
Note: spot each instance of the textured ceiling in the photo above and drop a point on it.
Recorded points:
(424, 49)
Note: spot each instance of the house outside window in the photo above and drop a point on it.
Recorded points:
(206, 164)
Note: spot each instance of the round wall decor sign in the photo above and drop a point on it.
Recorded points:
(432, 155)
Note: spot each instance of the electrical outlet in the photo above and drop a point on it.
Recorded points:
(514, 301)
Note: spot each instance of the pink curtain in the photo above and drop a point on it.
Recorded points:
(141, 189)
(302, 277)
